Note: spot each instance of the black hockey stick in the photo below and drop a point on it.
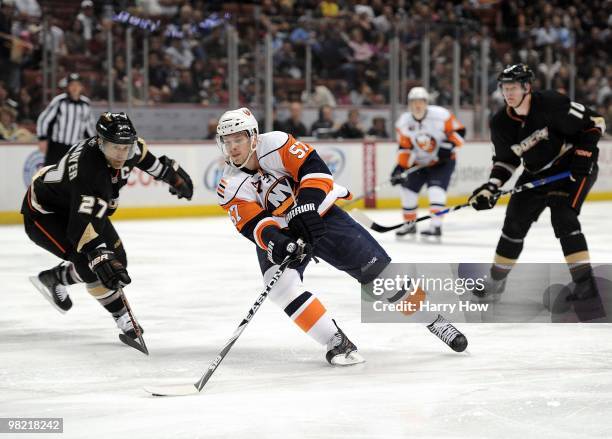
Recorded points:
(398, 178)
(368, 222)
(140, 345)
(193, 389)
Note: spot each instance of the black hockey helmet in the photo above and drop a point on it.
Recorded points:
(116, 128)
(516, 73)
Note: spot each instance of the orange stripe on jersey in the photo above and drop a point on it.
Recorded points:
(450, 126)
(259, 228)
(325, 184)
(403, 156)
(404, 141)
(310, 315)
(242, 211)
(48, 235)
(293, 154)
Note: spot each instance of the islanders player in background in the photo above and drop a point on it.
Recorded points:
(276, 190)
(427, 136)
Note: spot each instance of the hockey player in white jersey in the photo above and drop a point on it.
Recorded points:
(427, 137)
(277, 190)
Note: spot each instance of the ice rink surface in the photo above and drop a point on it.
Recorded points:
(193, 280)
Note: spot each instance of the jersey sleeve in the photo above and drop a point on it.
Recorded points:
(145, 160)
(247, 215)
(505, 162)
(404, 151)
(581, 125)
(454, 131)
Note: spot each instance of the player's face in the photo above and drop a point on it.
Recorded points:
(237, 146)
(513, 93)
(418, 107)
(117, 153)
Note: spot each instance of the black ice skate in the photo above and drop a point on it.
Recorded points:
(341, 351)
(445, 331)
(583, 290)
(492, 289)
(433, 232)
(48, 283)
(408, 229)
(124, 322)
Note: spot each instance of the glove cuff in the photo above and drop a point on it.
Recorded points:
(300, 209)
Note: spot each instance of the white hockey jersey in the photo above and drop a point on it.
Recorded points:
(255, 199)
(419, 141)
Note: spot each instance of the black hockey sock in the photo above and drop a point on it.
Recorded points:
(577, 256)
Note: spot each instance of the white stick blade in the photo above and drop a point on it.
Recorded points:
(172, 390)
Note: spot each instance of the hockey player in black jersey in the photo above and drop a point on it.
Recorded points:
(548, 134)
(67, 209)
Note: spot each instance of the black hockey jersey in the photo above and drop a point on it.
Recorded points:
(84, 190)
(543, 139)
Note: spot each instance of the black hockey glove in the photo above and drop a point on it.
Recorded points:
(485, 196)
(107, 267)
(306, 223)
(444, 154)
(179, 181)
(396, 175)
(582, 163)
(282, 245)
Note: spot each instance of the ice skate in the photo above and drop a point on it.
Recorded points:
(583, 290)
(492, 290)
(408, 229)
(47, 282)
(125, 324)
(445, 331)
(433, 233)
(341, 351)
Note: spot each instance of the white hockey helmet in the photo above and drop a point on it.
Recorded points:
(418, 93)
(236, 121)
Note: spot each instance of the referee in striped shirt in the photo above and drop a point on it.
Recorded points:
(66, 120)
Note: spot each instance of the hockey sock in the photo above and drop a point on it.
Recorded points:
(409, 203)
(576, 255)
(303, 307)
(109, 299)
(437, 202)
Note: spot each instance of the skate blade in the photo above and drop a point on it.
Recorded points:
(348, 359)
(172, 390)
(42, 290)
(134, 344)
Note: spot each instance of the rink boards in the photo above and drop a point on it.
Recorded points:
(358, 165)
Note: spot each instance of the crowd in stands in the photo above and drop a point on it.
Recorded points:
(187, 50)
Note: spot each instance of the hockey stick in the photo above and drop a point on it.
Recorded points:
(193, 389)
(376, 188)
(141, 346)
(366, 221)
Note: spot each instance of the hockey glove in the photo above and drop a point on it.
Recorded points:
(179, 181)
(306, 223)
(282, 245)
(484, 197)
(396, 175)
(444, 154)
(582, 163)
(107, 267)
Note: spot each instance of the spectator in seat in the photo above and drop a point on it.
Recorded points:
(352, 128)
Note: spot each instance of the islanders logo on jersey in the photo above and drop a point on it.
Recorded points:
(278, 197)
(425, 142)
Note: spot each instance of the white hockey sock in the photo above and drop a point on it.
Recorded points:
(303, 307)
